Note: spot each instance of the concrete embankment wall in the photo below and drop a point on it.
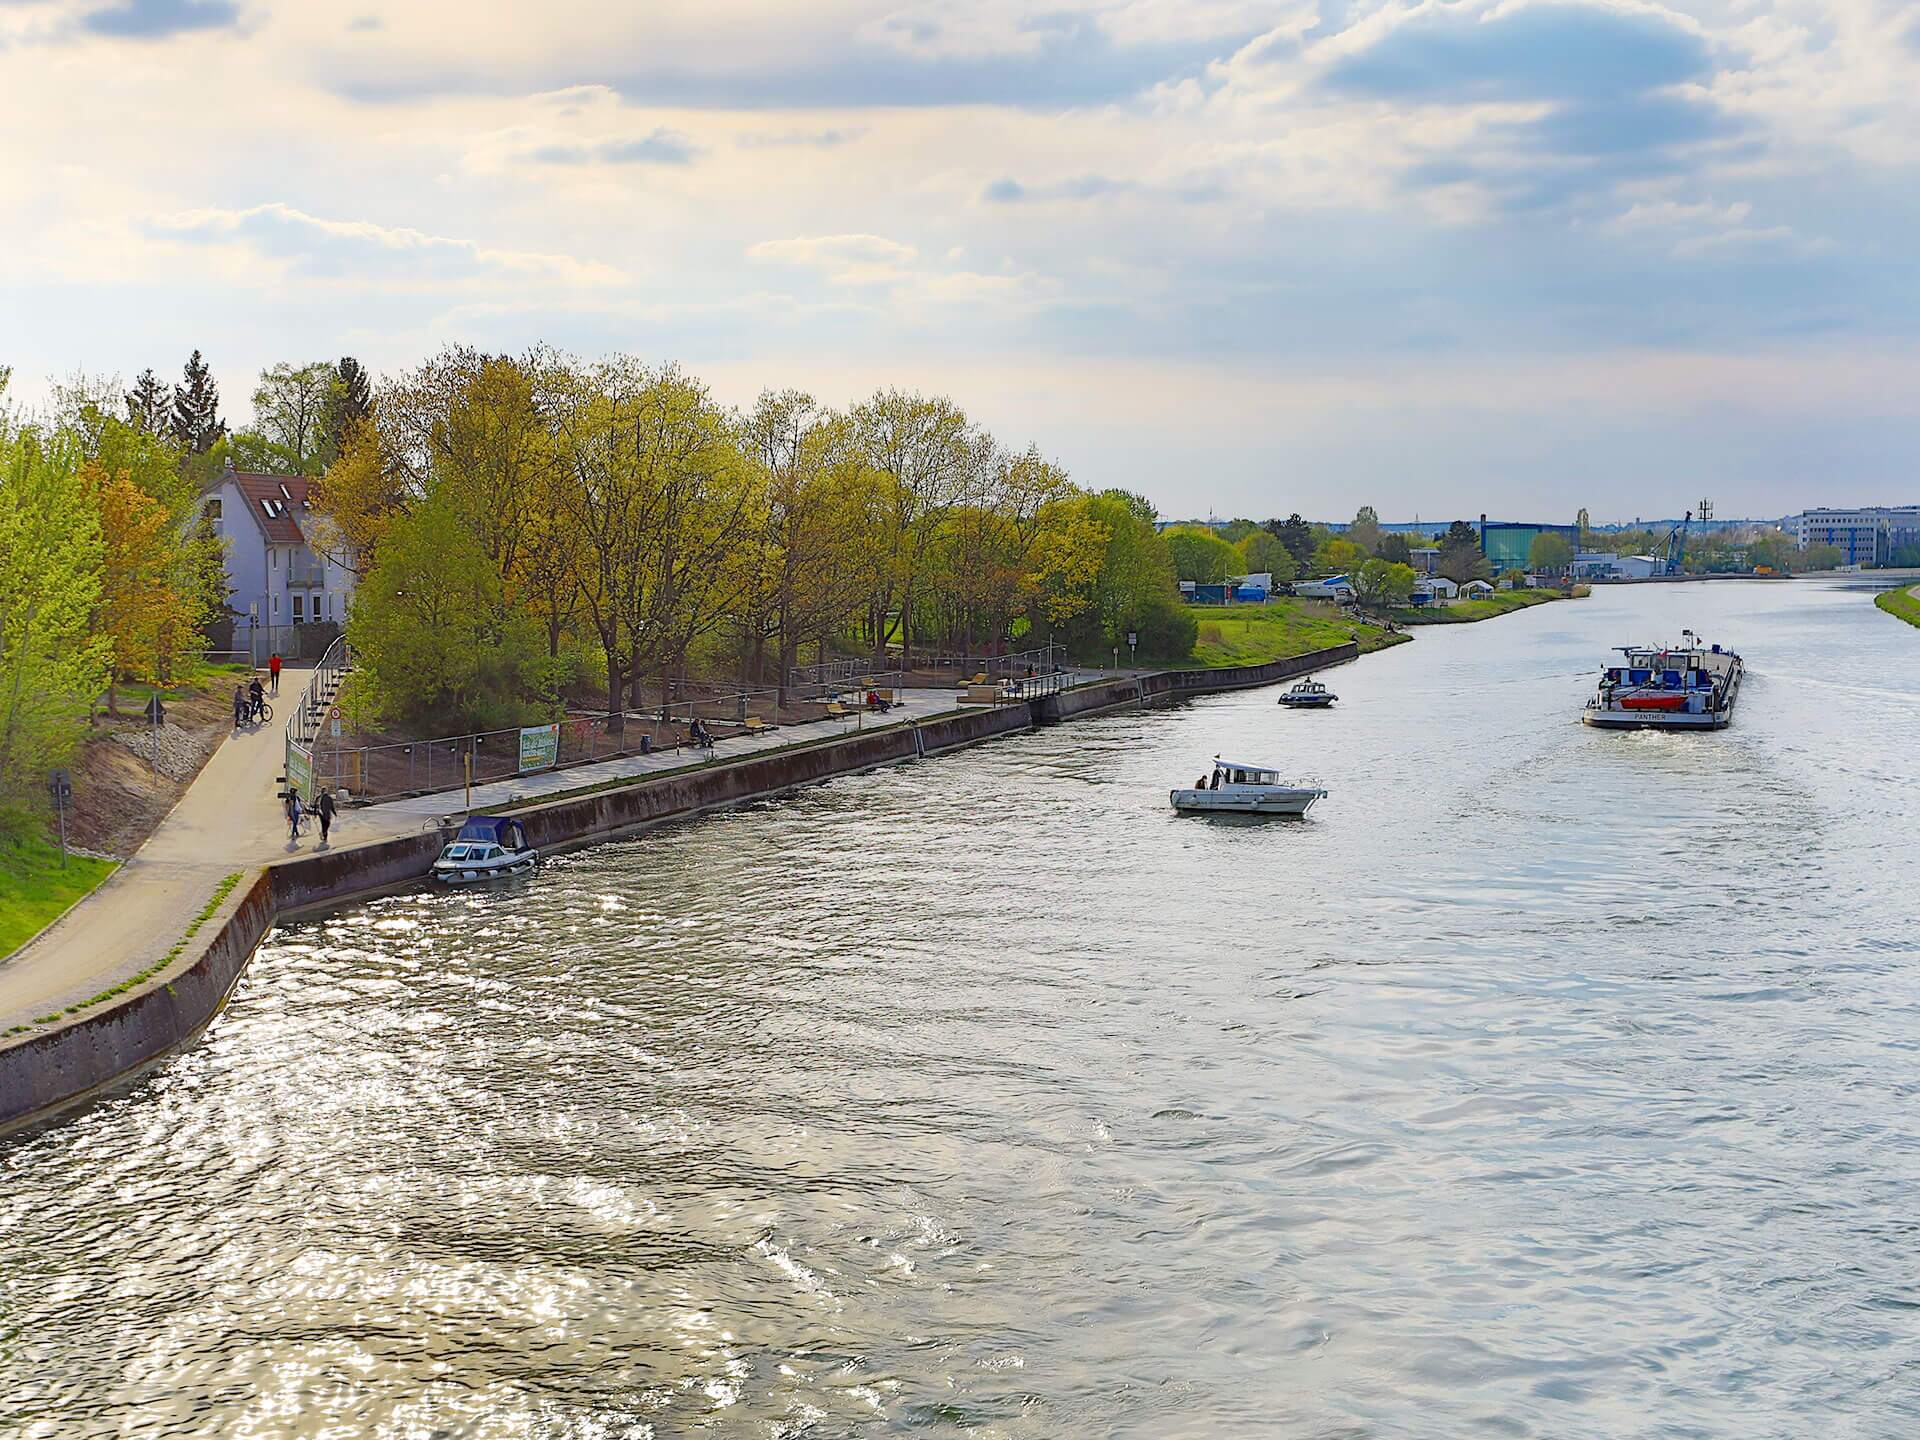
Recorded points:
(46, 1072)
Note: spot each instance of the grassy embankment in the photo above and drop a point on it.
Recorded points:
(1461, 612)
(1901, 603)
(1255, 634)
(35, 891)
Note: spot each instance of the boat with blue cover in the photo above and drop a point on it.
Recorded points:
(488, 847)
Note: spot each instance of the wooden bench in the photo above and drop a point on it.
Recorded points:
(837, 711)
(981, 695)
(754, 725)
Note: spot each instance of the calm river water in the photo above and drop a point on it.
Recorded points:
(1545, 1082)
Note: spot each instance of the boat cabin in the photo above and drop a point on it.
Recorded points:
(1231, 772)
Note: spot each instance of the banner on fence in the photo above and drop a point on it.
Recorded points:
(300, 770)
(539, 747)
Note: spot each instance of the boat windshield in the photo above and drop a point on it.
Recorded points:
(458, 852)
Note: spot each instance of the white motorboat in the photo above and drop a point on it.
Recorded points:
(488, 847)
(1235, 787)
(1308, 695)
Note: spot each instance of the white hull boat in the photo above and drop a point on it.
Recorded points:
(488, 847)
(1308, 695)
(1235, 788)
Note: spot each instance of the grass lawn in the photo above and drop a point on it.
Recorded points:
(1254, 634)
(35, 891)
(1901, 603)
(1460, 612)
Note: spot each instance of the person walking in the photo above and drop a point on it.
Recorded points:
(273, 670)
(293, 815)
(324, 807)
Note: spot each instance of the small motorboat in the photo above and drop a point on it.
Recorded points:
(1308, 695)
(488, 847)
(1238, 788)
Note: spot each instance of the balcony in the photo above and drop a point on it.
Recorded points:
(305, 571)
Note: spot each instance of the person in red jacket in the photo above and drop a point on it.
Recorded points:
(273, 671)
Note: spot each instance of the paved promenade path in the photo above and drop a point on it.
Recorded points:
(146, 905)
(230, 820)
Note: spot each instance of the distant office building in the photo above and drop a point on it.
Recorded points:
(1867, 536)
(1425, 559)
(1506, 544)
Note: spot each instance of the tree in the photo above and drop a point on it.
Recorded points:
(52, 665)
(143, 614)
(433, 640)
(290, 409)
(1337, 556)
(1263, 553)
(1365, 529)
(149, 406)
(1395, 549)
(927, 455)
(1381, 584)
(195, 423)
(1821, 557)
(1460, 557)
(1549, 554)
(1297, 536)
(349, 404)
(1199, 554)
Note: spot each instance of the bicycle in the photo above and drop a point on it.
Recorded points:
(262, 714)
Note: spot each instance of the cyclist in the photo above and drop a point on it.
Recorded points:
(256, 700)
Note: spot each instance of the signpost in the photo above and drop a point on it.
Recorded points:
(1133, 648)
(539, 747)
(300, 770)
(60, 786)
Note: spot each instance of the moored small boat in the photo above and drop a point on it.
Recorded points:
(1308, 695)
(488, 847)
(1234, 787)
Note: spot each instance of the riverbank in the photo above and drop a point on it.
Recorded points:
(1903, 604)
(1465, 612)
(1238, 635)
(75, 1045)
(36, 889)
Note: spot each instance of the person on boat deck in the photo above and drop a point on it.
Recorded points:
(1201, 783)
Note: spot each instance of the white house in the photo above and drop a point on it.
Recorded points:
(286, 597)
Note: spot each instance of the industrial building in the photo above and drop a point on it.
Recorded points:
(1867, 536)
(1506, 545)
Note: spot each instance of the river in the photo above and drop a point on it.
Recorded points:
(1545, 1082)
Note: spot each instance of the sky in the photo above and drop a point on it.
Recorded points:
(1244, 256)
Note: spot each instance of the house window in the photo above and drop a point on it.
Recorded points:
(276, 607)
(276, 557)
(298, 607)
(213, 508)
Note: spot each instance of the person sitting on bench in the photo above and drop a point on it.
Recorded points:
(700, 734)
(874, 702)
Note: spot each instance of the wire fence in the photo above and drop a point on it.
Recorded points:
(688, 716)
(891, 668)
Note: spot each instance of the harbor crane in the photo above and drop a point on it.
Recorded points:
(1676, 545)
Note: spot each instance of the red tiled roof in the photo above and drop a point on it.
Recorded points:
(278, 503)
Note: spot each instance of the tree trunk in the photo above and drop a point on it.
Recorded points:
(615, 688)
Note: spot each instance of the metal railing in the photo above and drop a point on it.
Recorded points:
(1042, 660)
(311, 708)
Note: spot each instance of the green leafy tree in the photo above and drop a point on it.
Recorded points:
(1199, 554)
(1365, 529)
(433, 639)
(1262, 552)
(1297, 536)
(1549, 554)
(290, 410)
(1394, 549)
(1338, 556)
(52, 664)
(1382, 584)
